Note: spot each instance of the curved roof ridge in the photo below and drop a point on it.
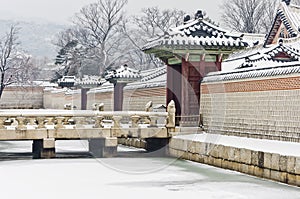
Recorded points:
(254, 72)
(153, 73)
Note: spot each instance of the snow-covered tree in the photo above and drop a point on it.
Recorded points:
(14, 65)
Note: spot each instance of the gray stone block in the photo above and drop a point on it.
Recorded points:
(291, 161)
(275, 161)
(268, 160)
(283, 163)
(245, 156)
(254, 158)
(297, 166)
(231, 154)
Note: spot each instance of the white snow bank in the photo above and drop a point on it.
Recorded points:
(270, 146)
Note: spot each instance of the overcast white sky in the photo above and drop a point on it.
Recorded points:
(62, 10)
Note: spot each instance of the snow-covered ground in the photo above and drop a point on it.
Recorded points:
(90, 178)
(271, 146)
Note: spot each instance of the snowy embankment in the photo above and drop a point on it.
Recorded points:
(269, 146)
(276, 160)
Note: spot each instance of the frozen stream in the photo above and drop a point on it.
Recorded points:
(132, 175)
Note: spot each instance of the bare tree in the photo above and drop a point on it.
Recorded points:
(8, 53)
(16, 67)
(250, 16)
(151, 23)
(24, 70)
(96, 26)
(94, 39)
(243, 15)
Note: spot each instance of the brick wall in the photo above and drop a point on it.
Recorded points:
(261, 108)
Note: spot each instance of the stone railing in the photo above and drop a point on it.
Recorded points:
(76, 119)
(37, 119)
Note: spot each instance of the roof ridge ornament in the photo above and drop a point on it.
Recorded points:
(287, 2)
(186, 18)
(199, 14)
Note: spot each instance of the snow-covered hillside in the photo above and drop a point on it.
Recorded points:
(35, 37)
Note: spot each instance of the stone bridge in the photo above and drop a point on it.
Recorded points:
(101, 129)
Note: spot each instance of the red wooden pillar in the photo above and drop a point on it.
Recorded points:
(185, 85)
(219, 62)
(174, 87)
(118, 96)
(191, 73)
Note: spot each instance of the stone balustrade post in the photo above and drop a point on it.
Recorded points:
(171, 115)
(153, 121)
(68, 121)
(41, 122)
(117, 120)
(50, 121)
(59, 124)
(32, 121)
(2, 121)
(98, 122)
(21, 123)
(134, 121)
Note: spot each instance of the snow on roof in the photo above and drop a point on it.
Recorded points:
(289, 16)
(44, 83)
(242, 54)
(153, 73)
(156, 77)
(124, 73)
(89, 81)
(254, 39)
(66, 91)
(264, 56)
(265, 69)
(198, 32)
(105, 87)
(151, 78)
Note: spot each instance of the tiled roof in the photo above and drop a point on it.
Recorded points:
(89, 81)
(197, 32)
(289, 16)
(124, 73)
(106, 87)
(150, 78)
(275, 69)
(153, 73)
(269, 54)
